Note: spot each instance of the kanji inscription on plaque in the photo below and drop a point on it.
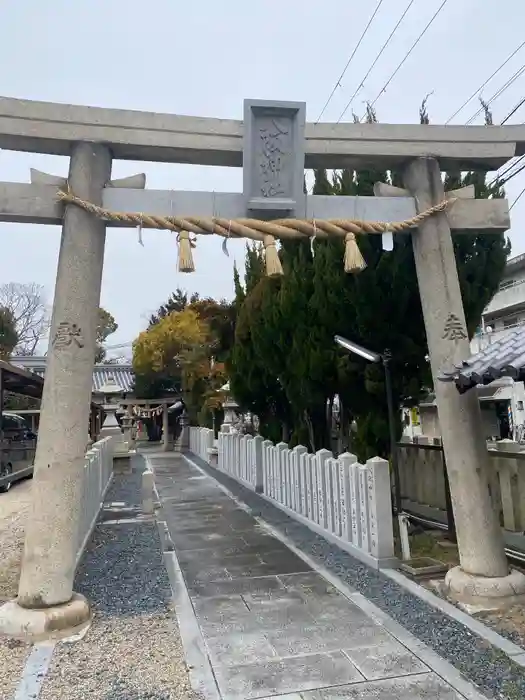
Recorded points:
(68, 334)
(274, 150)
(273, 157)
(454, 329)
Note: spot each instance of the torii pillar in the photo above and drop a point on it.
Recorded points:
(46, 602)
(483, 578)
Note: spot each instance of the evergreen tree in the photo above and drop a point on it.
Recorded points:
(253, 382)
(8, 333)
(481, 257)
(307, 355)
(289, 323)
(177, 301)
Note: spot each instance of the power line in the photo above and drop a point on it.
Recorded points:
(514, 110)
(514, 161)
(504, 181)
(476, 92)
(499, 177)
(499, 92)
(361, 84)
(416, 42)
(338, 82)
(120, 345)
(517, 198)
(507, 174)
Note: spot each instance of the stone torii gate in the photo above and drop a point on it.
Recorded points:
(273, 145)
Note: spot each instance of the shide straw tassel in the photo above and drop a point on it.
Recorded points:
(186, 263)
(354, 261)
(273, 264)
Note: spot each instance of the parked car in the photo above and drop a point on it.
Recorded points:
(17, 450)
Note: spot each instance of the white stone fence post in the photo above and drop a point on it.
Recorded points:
(201, 442)
(241, 457)
(97, 474)
(348, 503)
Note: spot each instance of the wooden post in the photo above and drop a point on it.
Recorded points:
(479, 537)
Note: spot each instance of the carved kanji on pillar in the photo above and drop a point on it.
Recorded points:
(453, 329)
(68, 334)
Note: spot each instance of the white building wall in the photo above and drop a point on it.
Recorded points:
(506, 310)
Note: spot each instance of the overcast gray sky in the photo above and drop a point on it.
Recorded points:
(204, 58)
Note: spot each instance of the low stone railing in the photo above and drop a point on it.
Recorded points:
(422, 476)
(241, 457)
(201, 442)
(348, 503)
(97, 474)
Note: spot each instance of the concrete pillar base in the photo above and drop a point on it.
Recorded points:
(39, 624)
(478, 593)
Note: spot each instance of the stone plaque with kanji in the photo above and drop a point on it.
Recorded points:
(273, 158)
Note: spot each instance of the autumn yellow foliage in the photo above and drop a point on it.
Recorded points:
(169, 343)
(181, 345)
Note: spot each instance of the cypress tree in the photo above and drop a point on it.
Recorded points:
(253, 377)
(292, 320)
(388, 308)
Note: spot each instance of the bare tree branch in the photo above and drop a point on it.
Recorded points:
(27, 304)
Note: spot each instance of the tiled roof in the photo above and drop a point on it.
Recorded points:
(122, 374)
(500, 389)
(505, 357)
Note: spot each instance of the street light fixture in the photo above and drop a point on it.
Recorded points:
(357, 349)
(385, 357)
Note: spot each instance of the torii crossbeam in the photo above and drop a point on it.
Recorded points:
(274, 145)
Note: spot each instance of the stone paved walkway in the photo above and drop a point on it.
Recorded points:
(133, 649)
(269, 625)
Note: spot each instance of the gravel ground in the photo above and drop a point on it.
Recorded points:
(484, 665)
(14, 506)
(510, 624)
(13, 656)
(133, 649)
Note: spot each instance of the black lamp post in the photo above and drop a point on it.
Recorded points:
(385, 358)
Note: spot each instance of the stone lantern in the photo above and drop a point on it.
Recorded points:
(231, 408)
(112, 395)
